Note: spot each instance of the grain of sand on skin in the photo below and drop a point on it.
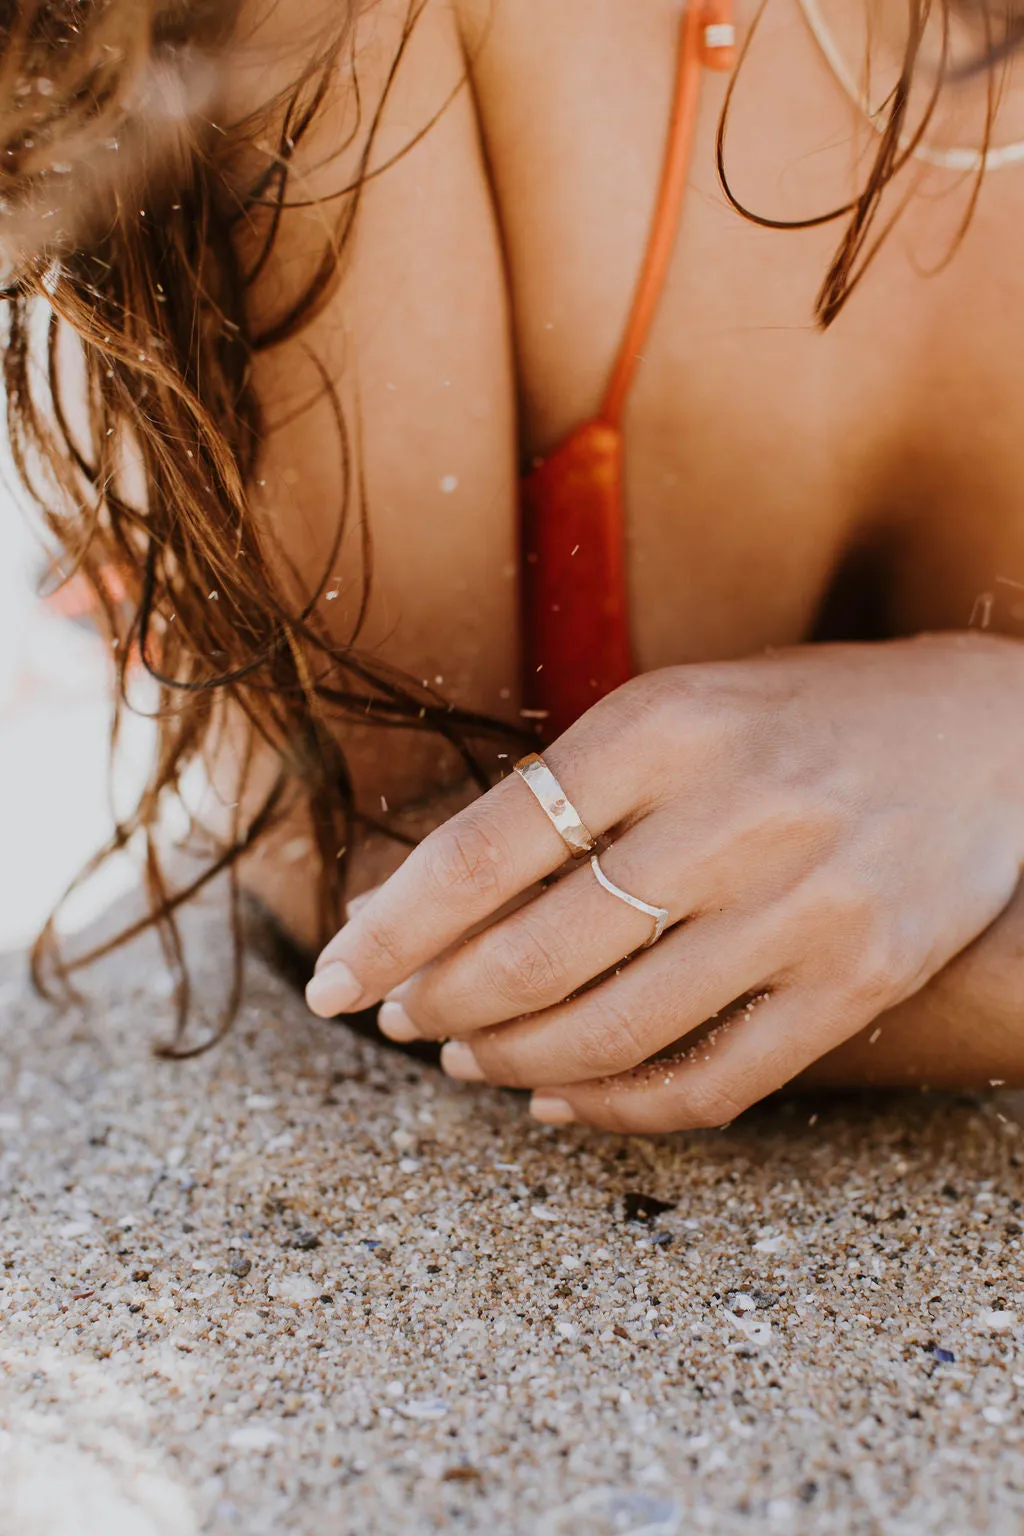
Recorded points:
(305, 1284)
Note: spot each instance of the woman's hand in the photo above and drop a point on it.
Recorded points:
(826, 826)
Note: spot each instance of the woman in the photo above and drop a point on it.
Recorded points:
(386, 287)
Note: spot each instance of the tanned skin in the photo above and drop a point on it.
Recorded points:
(787, 487)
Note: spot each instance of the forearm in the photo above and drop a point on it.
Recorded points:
(965, 1029)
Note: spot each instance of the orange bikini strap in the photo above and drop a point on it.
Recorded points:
(707, 39)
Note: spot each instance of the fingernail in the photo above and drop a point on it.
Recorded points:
(394, 1022)
(459, 1062)
(551, 1111)
(333, 990)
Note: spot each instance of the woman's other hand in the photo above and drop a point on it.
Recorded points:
(828, 827)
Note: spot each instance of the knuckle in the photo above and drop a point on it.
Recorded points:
(527, 965)
(665, 707)
(839, 906)
(863, 945)
(606, 1040)
(654, 706)
(381, 948)
(709, 1104)
(796, 812)
(432, 1021)
(875, 975)
(625, 1119)
(463, 859)
(843, 911)
(502, 1062)
(687, 718)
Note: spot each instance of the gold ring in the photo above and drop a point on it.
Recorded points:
(556, 805)
(658, 915)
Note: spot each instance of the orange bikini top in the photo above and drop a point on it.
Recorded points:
(576, 638)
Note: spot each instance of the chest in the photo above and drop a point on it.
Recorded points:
(490, 284)
(764, 455)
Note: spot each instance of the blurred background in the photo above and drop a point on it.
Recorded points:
(54, 722)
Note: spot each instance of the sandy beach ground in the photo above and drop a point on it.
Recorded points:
(303, 1284)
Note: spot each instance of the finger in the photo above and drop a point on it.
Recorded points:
(657, 998)
(745, 1057)
(546, 950)
(469, 868)
(355, 904)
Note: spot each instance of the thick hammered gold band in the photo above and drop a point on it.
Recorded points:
(556, 805)
(659, 916)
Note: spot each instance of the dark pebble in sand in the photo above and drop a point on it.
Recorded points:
(638, 1207)
(239, 1265)
(305, 1241)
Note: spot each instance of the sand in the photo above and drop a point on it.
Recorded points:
(304, 1285)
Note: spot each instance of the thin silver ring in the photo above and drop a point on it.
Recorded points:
(658, 915)
(556, 805)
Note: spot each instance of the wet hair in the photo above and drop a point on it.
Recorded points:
(998, 31)
(122, 199)
(122, 196)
